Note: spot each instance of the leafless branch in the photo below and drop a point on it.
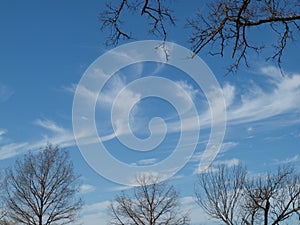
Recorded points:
(224, 25)
(151, 203)
(219, 193)
(156, 12)
(228, 196)
(231, 23)
(274, 196)
(41, 189)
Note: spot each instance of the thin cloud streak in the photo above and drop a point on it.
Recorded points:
(2, 132)
(256, 104)
(227, 163)
(86, 188)
(253, 106)
(95, 214)
(12, 150)
(5, 93)
(50, 125)
(59, 136)
(293, 159)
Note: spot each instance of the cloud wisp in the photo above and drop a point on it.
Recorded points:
(58, 136)
(294, 159)
(86, 188)
(5, 93)
(253, 105)
(2, 133)
(259, 104)
(281, 98)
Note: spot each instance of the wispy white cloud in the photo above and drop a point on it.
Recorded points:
(271, 71)
(95, 214)
(86, 188)
(226, 146)
(120, 188)
(190, 93)
(147, 161)
(258, 104)
(12, 149)
(105, 100)
(2, 133)
(50, 125)
(293, 159)
(227, 163)
(123, 105)
(229, 94)
(5, 92)
(254, 104)
(59, 136)
(83, 91)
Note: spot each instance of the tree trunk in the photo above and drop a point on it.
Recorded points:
(267, 212)
(40, 220)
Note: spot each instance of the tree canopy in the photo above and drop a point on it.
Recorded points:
(41, 189)
(151, 203)
(231, 197)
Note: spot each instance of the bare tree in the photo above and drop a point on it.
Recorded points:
(224, 24)
(219, 193)
(2, 216)
(3, 211)
(151, 203)
(272, 198)
(228, 196)
(41, 189)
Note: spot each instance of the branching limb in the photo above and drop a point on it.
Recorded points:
(157, 13)
(230, 23)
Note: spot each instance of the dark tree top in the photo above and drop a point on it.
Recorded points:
(224, 25)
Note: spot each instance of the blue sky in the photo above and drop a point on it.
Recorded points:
(46, 46)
